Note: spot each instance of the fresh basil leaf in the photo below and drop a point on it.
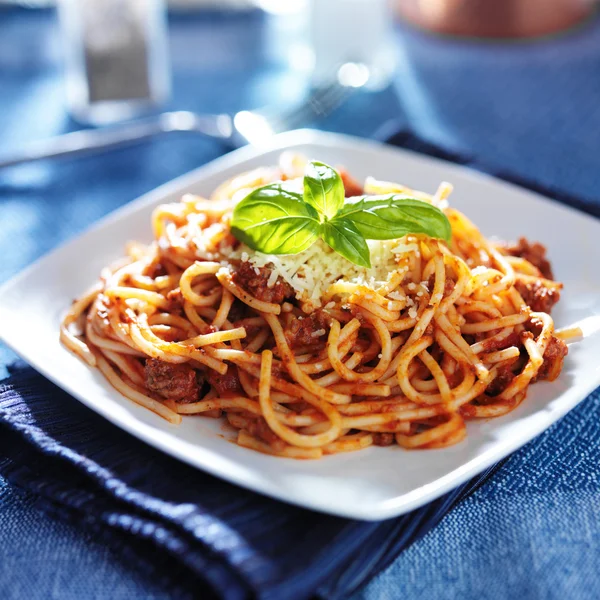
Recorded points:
(323, 188)
(275, 220)
(342, 236)
(393, 216)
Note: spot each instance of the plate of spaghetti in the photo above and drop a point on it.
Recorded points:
(328, 322)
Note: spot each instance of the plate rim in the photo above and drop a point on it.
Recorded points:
(386, 508)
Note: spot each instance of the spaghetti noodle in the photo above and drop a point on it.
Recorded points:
(308, 355)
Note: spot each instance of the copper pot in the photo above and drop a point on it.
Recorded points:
(495, 18)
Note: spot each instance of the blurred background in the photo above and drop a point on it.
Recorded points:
(455, 71)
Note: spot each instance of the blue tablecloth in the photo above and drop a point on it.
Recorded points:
(532, 108)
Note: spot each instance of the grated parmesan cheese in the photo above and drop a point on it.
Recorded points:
(313, 271)
(272, 278)
(405, 248)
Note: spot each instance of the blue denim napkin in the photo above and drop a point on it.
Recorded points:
(199, 533)
(203, 536)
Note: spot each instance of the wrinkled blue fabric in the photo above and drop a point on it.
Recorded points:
(531, 531)
(199, 532)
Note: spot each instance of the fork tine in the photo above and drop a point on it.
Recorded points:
(319, 105)
(316, 94)
(329, 100)
(321, 102)
(299, 112)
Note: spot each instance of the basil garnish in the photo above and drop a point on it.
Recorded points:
(277, 220)
(342, 236)
(393, 216)
(323, 188)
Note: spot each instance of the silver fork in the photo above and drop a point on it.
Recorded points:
(243, 127)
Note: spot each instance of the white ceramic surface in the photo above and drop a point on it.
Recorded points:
(371, 484)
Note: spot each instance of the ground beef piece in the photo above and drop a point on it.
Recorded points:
(533, 252)
(177, 382)
(449, 285)
(538, 296)
(279, 371)
(175, 298)
(226, 385)
(303, 331)
(238, 311)
(256, 284)
(383, 439)
(554, 356)
(533, 326)
(259, 429)
(501, 381)
(351, 186)
(155, 269)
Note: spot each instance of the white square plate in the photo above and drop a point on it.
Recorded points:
(371, 484)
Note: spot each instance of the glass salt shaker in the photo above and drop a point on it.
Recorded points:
(353, 38)
(115, 57)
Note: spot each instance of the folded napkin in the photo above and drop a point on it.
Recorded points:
(188, 527)
(199, 535)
